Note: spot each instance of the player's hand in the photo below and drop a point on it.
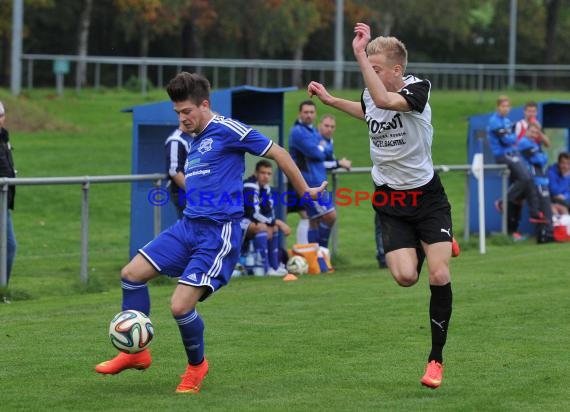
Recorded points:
(345, 163)
(361, 38)
(314, 191)
(317, 89)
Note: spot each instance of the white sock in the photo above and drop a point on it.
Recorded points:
(302, 231)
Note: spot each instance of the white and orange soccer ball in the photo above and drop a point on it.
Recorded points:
(131, 331)
(297, 265)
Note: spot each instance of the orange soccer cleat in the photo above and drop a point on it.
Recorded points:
(122, 361)
(455, 250)
(433, 376)
(193, 377)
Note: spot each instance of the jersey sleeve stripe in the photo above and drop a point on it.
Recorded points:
(267, 148)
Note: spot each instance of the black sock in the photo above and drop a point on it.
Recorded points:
(440, 314)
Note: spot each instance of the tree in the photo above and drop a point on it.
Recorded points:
(83, 42)
(198, 18)
(145, 19)
(6, 31)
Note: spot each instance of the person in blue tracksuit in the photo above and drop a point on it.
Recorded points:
(536, 160)
(502, 141)
(309, 151)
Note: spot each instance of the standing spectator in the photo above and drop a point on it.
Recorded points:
(202, 248)
(309, 151)
(502, 140)
(177, 146)
(7, 170)
(326, 128)
(559, 183)
(530, 111)
(398, 115)
(536, 161)
(259, 223)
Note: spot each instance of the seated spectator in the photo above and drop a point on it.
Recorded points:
(536, 161)
(259, 223)
(502, 141)
(559, 183)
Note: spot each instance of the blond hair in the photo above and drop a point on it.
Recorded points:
(503, 98)
(394, 50)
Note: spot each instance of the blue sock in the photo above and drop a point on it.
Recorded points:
(313, 235)
(274, 251)
(260, 244)
(324, 234)
(135, 296)
(191, 328)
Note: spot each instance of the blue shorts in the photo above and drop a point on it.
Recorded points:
(320, 207)
(200, 252)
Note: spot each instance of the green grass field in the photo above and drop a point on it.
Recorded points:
(352, 340)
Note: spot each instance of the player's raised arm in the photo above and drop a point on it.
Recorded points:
(378, 73)
(352, 108)
(288, 166)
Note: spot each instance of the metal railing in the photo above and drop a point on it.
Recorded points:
(440, 168)
(157, 178)
(85, 182)
(110, 71)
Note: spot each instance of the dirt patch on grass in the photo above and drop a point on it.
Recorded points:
(23, 115)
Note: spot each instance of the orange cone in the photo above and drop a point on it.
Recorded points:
(289, 276)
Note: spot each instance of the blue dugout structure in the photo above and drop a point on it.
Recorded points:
(555, 119)
(261, 108)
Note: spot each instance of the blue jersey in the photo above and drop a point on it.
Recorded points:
(215, 167)
(308, 153)
(534, 158)
(559, 185)
(177, 146)
(501, 135)
(330, 159)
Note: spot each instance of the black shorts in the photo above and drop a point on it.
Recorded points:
(408, 216)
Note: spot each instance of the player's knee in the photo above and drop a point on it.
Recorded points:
(128, 274)
(329, 218)
(260, 227)
(406, 279)
(439, 276)
(179, 308)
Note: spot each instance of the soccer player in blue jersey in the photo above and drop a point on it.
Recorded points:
(203, 247)
(309, 151)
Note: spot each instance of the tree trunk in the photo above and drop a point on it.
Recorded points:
(192, 46)
(552, 7)
(83, 43)
(5, 59)
(297, 73)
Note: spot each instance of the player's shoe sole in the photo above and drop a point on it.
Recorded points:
(433, 375)
(193, 377)
(122, 361)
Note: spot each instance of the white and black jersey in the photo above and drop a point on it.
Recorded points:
(400, 142)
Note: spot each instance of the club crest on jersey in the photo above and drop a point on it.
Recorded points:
(205, 145)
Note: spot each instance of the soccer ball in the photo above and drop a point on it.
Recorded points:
(297, 265)
(131, 331)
